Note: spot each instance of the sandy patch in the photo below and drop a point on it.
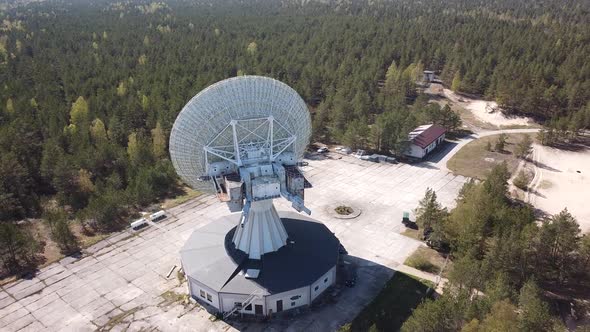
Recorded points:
(562, 180)
(545, 184)
(487, 111)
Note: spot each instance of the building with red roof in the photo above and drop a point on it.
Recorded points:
(424, 139)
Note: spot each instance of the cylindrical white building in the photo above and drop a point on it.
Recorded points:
(224, 279)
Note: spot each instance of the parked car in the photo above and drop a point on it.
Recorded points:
(343, 149)
(391, 160)
(360, 154)
(323, 149)
(158, 215)
(139, 223)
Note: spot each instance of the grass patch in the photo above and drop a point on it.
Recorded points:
(413, 233)
(50, 252)
(186, 194)
(180, 276)
(392, 306)
(87, 239)
(428, 260)
(118, 319)
(422, 264)
(425, 259)
(473, 160)
(171, 297)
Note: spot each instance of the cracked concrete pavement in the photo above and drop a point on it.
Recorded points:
(118, 283)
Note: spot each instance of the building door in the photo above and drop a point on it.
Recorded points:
(279, 305)
(258, 309)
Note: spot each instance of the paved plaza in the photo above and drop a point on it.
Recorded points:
(121, 284)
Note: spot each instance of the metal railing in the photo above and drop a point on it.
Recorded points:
(247, 302)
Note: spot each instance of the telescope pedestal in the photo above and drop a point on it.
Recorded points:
(262, 231)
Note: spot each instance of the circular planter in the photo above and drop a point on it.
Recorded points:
(331, 210)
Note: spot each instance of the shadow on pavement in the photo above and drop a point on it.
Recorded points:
(441, 152)
(337, 306)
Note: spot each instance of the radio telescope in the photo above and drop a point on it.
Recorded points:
(242, 139)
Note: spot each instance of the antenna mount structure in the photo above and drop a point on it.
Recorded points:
(242, 138)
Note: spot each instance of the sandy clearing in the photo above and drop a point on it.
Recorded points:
(558, 184)
(487, 111)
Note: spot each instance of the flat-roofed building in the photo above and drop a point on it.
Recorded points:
(428, 76)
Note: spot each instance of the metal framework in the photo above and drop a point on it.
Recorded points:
(251, 109)
(251, 141)
(244, 135)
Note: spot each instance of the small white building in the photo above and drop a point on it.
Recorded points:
(424, 139)
(428, 76)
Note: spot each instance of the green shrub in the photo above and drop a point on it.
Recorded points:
(422, 264)
(521, 181)
(344, 210)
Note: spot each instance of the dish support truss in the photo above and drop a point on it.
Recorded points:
(250, 141)
(251, 162)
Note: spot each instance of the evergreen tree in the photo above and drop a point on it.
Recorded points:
(9, 106)
(444, 314)
(158, 142)
(524, 147)
(145, 102)
(534, 311)
(133, 148)
(17, 198)
(104, 210)
(503, 317)
(456, 84)
(501, 143)
(141, 189)
(57, 220)
(557, 246)
(121, 89)
(18, 246)
(429, 211)
(79, 112)
(522, 180)
(98, 132)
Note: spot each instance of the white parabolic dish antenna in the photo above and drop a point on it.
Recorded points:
(243, 137)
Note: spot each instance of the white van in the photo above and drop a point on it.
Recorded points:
(139, 223)
(158, 215)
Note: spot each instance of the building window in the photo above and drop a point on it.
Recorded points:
(237, 304)
(202, 292)
(296, 297)
(325, 280)
(316, 288)
(209, 297)
(292, 304)
(248, 307)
